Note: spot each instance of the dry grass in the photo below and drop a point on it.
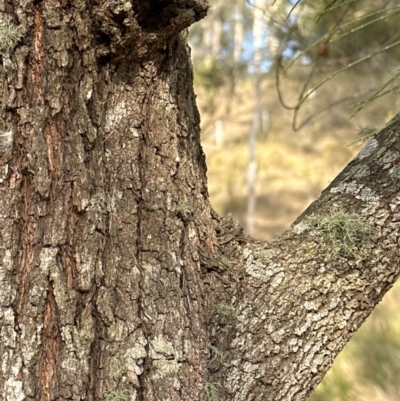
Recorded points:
(293, 167)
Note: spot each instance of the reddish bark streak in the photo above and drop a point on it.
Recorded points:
(53, 148)
(50, 347)
(50, 149)
(38, 54)
(68, 263)
(210, 245)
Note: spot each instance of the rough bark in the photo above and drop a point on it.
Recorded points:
(299, 302)
(116, 275)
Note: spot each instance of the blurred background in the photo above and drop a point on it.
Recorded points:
(289, 92)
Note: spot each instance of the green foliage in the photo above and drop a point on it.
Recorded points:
(9, 36)
(334, 4)
(342, 26)
(365, 133)
(343, 233)
(396, 81)
(209, 74)
(211, 391)
(329, 36)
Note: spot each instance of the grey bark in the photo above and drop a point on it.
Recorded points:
(298, 303)
(116, 275)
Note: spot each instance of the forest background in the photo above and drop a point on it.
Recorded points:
(288, 93)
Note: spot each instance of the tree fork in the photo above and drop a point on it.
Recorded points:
(118, 279)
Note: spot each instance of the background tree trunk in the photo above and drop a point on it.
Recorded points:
(117, 276)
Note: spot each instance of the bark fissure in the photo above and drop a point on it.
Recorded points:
(28, 233)
(48, 377)
(139, 257)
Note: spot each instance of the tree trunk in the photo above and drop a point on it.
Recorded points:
(119, 282)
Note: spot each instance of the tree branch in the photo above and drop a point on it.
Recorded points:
(303, 296)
